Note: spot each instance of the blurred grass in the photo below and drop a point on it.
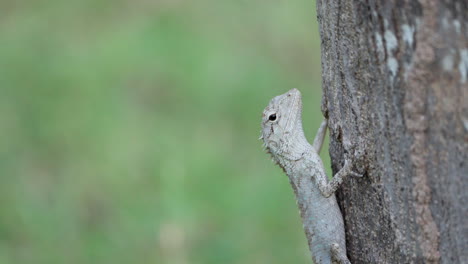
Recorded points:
(129, 130)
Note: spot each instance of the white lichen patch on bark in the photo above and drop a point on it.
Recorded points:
(408, 32)
(451, 25)
(391, 43)
(448, 61)
(379, 45)
(465, 123)
(392, 65)
(457, 26)
(463, 65)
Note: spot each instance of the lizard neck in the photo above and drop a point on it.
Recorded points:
(295, 154)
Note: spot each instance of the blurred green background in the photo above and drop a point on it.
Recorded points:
(130, 129)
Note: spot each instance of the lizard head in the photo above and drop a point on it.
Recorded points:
(282, 124)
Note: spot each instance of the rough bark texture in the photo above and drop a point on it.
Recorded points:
(396, 93)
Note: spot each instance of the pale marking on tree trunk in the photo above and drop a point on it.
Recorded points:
(416, 121)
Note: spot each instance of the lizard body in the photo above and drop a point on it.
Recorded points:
(284, 139)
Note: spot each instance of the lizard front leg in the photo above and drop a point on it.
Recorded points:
(327, 188)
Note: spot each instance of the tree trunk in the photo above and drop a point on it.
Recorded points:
(396, 93)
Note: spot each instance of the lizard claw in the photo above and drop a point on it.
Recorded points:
(347, 166)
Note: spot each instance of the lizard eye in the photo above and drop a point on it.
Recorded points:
(272, 117)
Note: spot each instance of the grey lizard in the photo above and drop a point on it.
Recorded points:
(284, 139)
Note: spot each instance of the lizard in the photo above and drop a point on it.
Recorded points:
(284, 139)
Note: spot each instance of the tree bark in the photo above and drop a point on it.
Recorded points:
(396, 94)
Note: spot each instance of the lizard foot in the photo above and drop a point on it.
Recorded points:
(338, 254)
